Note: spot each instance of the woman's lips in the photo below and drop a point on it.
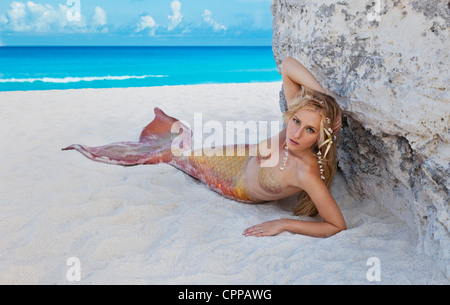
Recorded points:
(293, 142)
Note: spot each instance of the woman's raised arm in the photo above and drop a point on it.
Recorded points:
(295, 75)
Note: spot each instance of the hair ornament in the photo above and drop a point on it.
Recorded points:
(329, 140)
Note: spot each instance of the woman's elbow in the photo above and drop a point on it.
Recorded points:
(341, 228)
(289, 59)
(287, 63)
(336, 230)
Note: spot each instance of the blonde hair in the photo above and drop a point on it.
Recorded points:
(327, 107)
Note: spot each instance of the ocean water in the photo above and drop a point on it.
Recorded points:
(46, 68)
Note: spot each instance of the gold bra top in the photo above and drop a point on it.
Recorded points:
(265, 175)
(268, 182)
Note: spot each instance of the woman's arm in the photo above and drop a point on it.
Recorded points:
(333, 220)
(308, 228)
(295, 75)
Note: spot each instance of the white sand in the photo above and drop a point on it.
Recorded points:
(154, 224)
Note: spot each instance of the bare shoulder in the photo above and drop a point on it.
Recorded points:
(306, 172)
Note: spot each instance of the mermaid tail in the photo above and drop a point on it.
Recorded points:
(153, 147)
(167, 140)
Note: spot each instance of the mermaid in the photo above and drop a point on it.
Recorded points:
(301, 159)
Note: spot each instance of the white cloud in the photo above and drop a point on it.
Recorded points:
(44, 18)
(36, 17)
(16, 17)
(216, 26)
(147, 22)
(3, 21)
(99, 18)
(176, 17)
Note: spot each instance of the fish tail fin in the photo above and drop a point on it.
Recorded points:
(157, 143)
(161, 126)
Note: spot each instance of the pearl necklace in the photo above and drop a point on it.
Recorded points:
(286, 154)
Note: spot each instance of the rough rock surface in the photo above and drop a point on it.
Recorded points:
(387, 64)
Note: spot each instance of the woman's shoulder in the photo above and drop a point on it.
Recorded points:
(306, 170)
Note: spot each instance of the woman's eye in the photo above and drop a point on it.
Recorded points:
(310, 130)
(296, 121)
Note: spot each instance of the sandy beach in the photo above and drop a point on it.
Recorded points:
(154, 224)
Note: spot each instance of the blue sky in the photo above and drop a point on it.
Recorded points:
(135, 22)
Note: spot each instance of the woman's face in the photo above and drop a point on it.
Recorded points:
(303, 130)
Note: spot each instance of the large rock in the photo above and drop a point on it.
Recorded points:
(388, 68)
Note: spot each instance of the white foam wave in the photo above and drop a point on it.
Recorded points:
(75, 79)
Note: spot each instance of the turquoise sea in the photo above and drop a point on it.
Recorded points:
(45, 68)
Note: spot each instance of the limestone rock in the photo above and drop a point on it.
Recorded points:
(387, 64)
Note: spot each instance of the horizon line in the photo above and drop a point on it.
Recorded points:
(143, 46)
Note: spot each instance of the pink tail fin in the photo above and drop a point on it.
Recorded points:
(154, 146)
(161, 126)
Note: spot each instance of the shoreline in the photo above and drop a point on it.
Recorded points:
(154, 224)
(203, 84)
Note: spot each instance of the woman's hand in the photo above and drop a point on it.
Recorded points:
(269, 228)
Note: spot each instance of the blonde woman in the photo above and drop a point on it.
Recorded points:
(303, 161)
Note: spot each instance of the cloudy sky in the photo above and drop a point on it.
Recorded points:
(135, 22)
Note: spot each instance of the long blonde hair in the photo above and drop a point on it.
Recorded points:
(329, 110)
